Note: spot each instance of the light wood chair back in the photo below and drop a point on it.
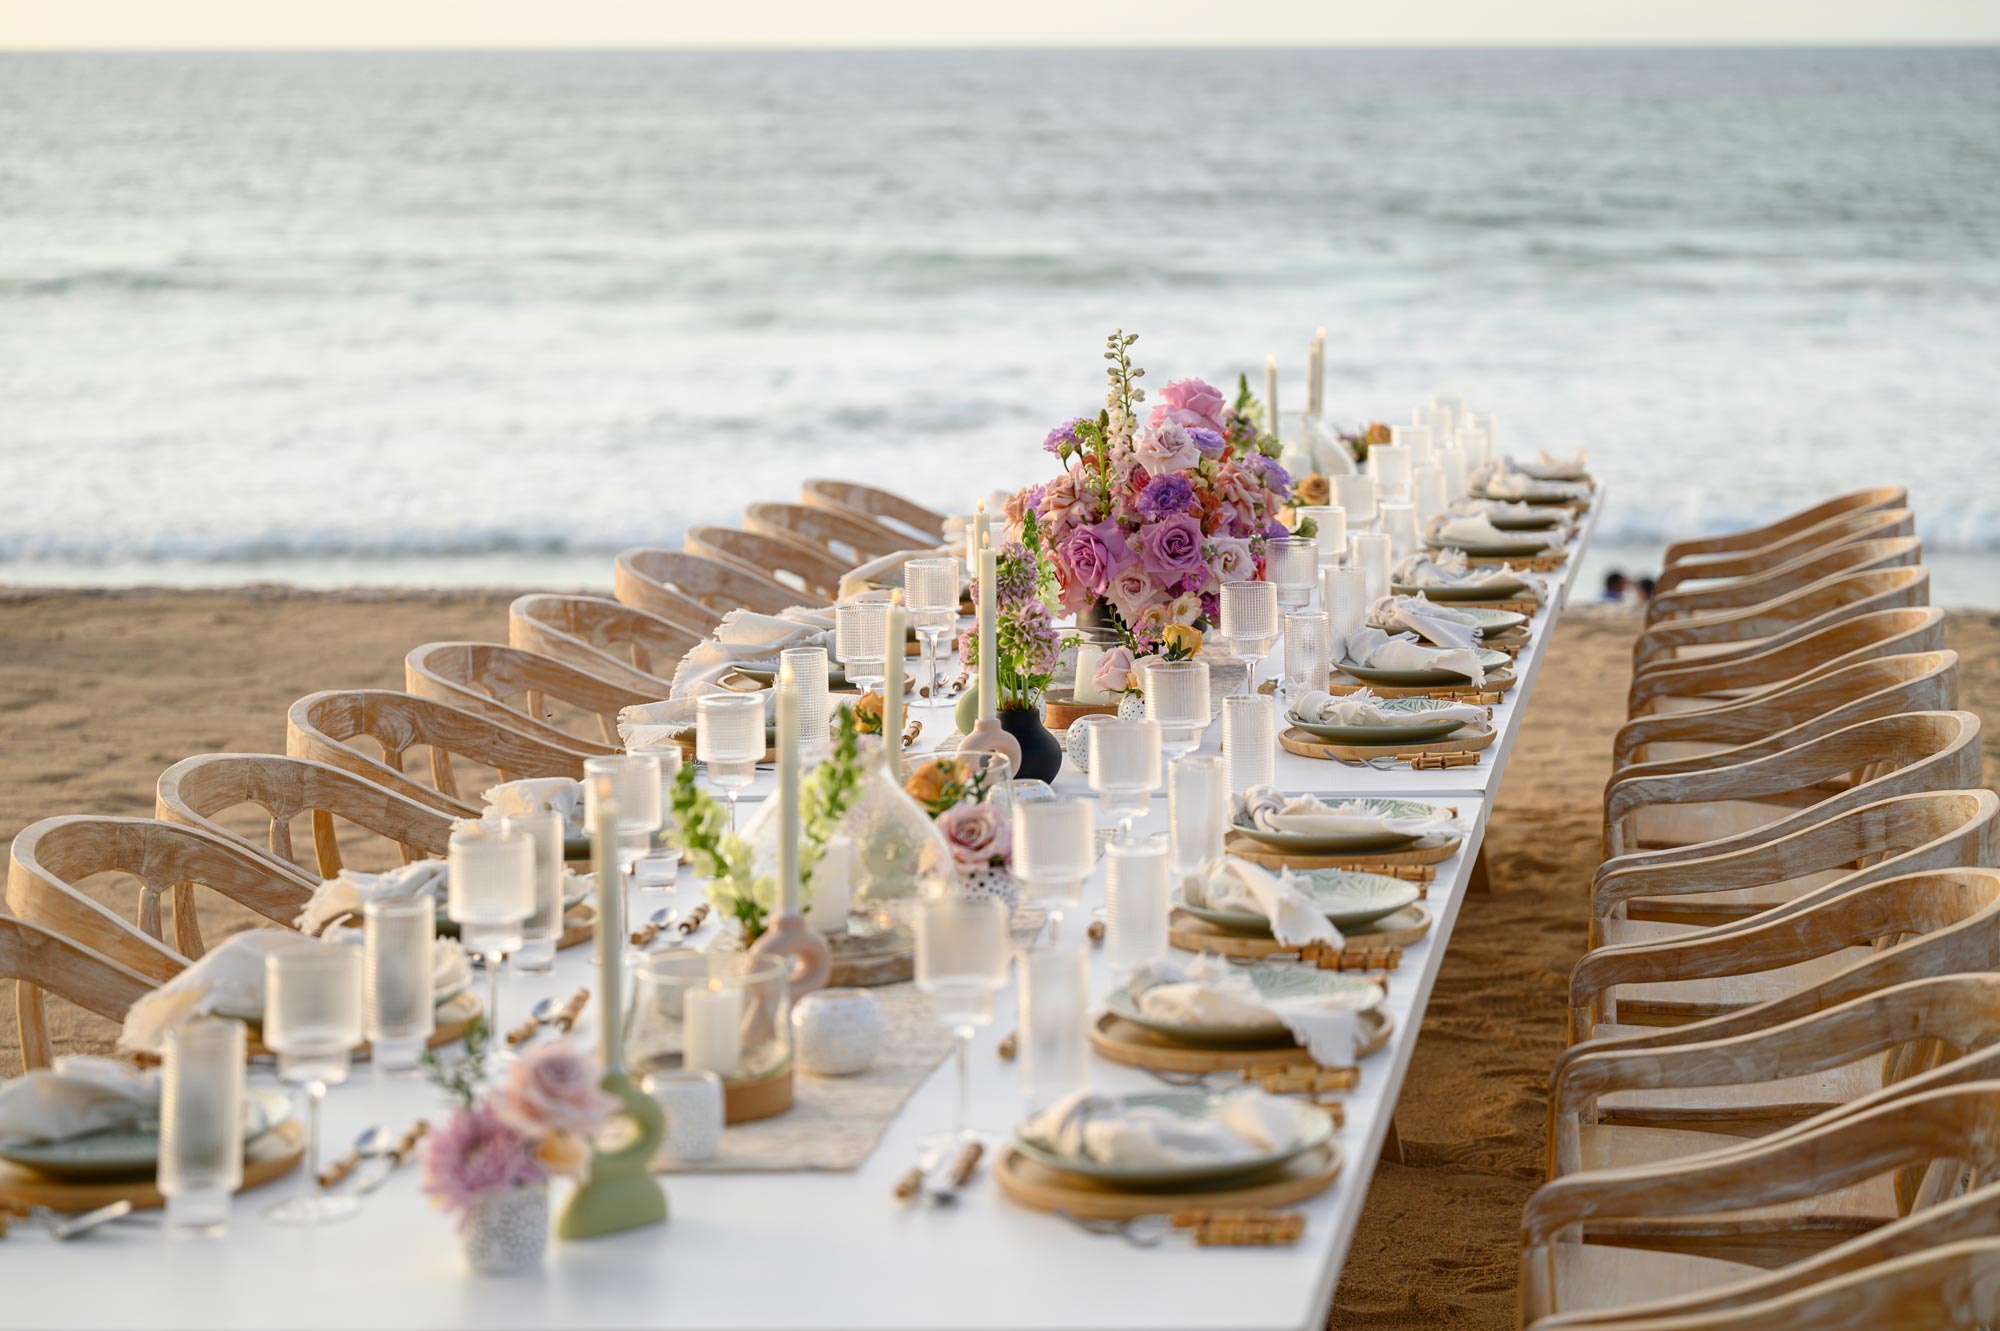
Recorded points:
(52, 857)
(40, 962)
(697, 591)
(1857, 764)
(1792, 574)
(194, 792)
(332, 727)
(1711, 682)
(926, 524)
(601, 637)
(1792, 524)
(792, 563)
(514, 687)
(1864, 525)
(1882, 686)
(1752, 629)
(848, 537)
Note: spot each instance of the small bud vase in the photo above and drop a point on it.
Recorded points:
(507, 1230)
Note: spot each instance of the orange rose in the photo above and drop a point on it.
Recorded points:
(868, 713)
(563, 1153)
(1378, 433)
(928, 783)
(1312, 488)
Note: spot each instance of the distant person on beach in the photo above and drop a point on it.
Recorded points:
(1614, 586)
(1645, 590)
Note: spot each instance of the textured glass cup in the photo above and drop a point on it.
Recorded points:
(201, 1120)
(1430, 495)
(1291, 564)
(729, 738)
(398, 966)
(861, 639)
(1330, 534)
(961, 962)
(1355, 494)
(1416, 438)
(1369, 552)
(1343, 595)
(930, 591)
(1308, 652)
(312, 1021)
(1249, 623)
(490, 897)
(633, 783)
(658, 867)
(1178, 699)
(1197, 812)
(1055, 848)
(539, 935)
(1249, 740)
(1136, 891)
(1399, 525)
(1125, 767)
(815, 697)
(1055, 1022)
(1389, 464)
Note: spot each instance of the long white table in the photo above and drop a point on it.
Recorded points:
(790, 1250)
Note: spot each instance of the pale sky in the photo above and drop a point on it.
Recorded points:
(204, 24)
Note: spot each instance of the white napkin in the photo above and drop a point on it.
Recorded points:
(80, 1094)
(1440, 624)
(744, 637)
(1228, 883)
(1208, 991)
(518, 799)
(1363, 708)
(1503, 482)
(1548, 468)
(352, 889)
(231, 976)
(1372, 647)
(1097, 1127)
(1449, 568)
(859, 582)
(1472, 529)
(1273, 811)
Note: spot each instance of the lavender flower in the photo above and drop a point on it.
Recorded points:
(1167, 495)
(473, 1155)
(1063, 436)
(1209, 442)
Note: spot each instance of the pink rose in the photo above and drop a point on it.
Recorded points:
(554, 1088)
(1096, 554)
(978, 836)
(1114, 671)
(1063, 501)
(1131, 592)
(1165, 446)
(1192, 403)
(1230, 559)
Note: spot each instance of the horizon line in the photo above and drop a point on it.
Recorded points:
(445, 48)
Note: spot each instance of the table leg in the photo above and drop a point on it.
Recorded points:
(1477, 881)
(1392, 1144)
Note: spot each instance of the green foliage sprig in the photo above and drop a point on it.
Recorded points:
(829, 793)
(464, 1077)
(721, 856)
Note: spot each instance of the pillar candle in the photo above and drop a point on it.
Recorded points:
(833, 886)
(1489, 439)
(1316, 378)
(1390, 464)
(610, 931)
(1271, 396)
(989, 678)
(1331, 520)
(1447, 413)
(1088, 654)
(712, 1031)
(1357, 499)
(892, 686)
(1416, 438)
(790, 892)
(1399, 524)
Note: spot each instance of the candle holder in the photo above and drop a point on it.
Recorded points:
(725, 1013)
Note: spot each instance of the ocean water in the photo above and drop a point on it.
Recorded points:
(493, 317)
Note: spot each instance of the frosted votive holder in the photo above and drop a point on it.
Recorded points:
(691, 1101)
(201, 1121)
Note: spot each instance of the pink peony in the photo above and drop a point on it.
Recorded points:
(1192, 403)
(1114, 671)
(978, 836)
(1131, 592)
(473, 1155)
(554, 1088)
(1165, 446)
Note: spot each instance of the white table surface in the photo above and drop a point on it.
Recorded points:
(783, 1250)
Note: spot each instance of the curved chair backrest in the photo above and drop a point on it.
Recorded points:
(1913, 682)
(1790, 575)
(194, 790)
(1847, 528)
(789, 562)
(882, 505)
(1782, 618)
(52, 857)
(40, 962)
(1828, 647)
(513, 686)
(618, 644)
(1805, 519)
(325, 727)
(660, 581)
(848, 537)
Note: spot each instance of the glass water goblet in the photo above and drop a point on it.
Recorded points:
(961, 963)
(312, 1022)
(1197, 812)
(930, 591)
(1248, 740)
(544, 929)
(632, 781)
(1308, 648)
(815, 698)
(1124, 767)
(399, 966)
(730, 739)
(861, 639)
(1055, 848)
(1291, 564)
(1178, 700)
(490, 896)
(1249, 624)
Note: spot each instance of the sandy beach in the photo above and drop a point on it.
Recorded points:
(100, 691)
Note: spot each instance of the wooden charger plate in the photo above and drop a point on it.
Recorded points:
(1432, 849)
(1129, 1043)
(1399, 929)
(1044, 1189)
(265, 1158)
(1470, 738)
(1497, 681)
(453, 1016)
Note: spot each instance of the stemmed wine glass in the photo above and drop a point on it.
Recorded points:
(490, 896)
(1124, 768)
(1177, 699)
(631, 781)
(729, 738)
(312, 1022)
(861, 639)
(1249, 623)
(930, 589)
(961, 963)
(660, 865)
(1291, 564)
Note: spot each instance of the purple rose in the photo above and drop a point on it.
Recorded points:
(1170, 549)
(1276, 479)
(1192, 403)
(1165, 496)
(1211, 443)
(1096, 554)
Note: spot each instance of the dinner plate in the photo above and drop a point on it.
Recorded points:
(1315, 1129)
(1312, 843)
(112, 1154)
(1273, 982)
(1488, 658)
(1524, 521)
(438, 999)
(1498, 589)
(1484, 619)
(1519, 547)
(1426, 733)
(1527, 498)
(1346, 897)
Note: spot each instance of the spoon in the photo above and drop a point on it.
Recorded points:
(655, 922)
(540, 1015)
(89, 1220)
(372, 1141)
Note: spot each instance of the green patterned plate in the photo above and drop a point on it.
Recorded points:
(1410, 679)
(1315, 1129)
(1499, 589)
(1310, 843)
(1518, 548)
(1348, 898)
(1484, 619)
(1524, 521)
(1420, 733)
(137, 1152)
(1272, 982)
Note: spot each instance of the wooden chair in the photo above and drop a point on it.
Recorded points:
(926, 524)
(194, 791)
(1785, 528)
(697, 591)
(848, 537)
(622, 646)
(1687, 741)
(1730, 635)
(514, 687)
(1866, 761)
(1871, 524)
(50, 858)
(325, 726)
(41, 963)
(1699, 685)
(791, 563)
(1791, 575)
(1574, 1229)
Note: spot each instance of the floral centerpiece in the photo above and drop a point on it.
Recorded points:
(1150, 518)
(491, 1161)
(1026, 646)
